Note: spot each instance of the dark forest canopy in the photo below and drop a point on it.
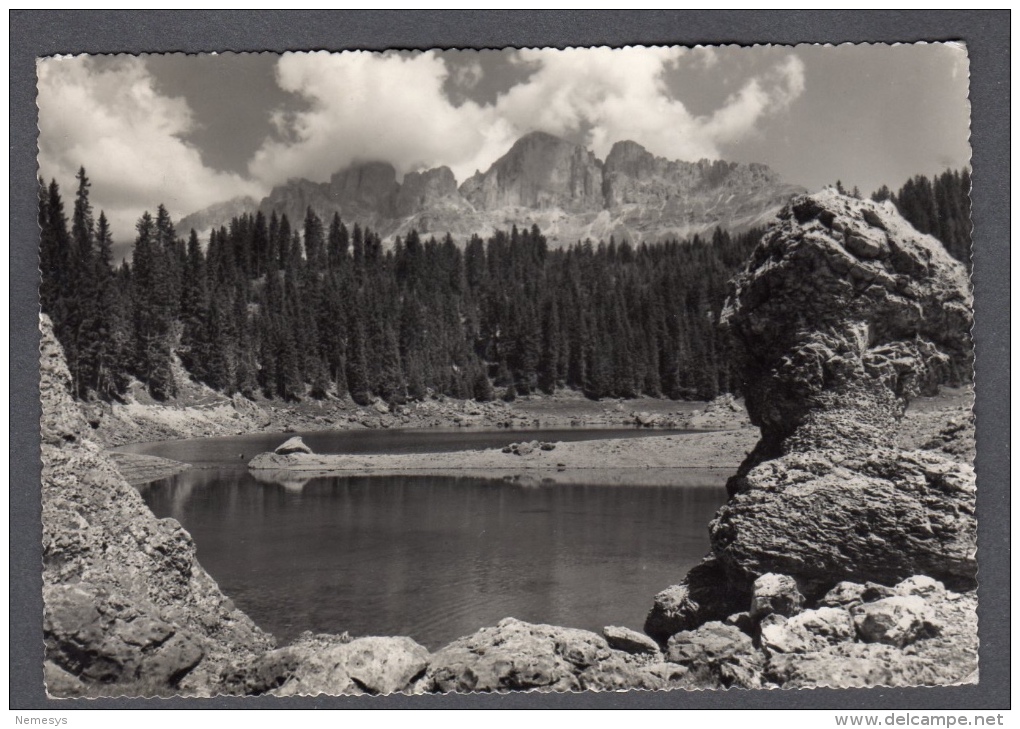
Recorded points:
(939, 207)
(289, 310)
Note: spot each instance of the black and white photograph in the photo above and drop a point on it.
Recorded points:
(586, 369)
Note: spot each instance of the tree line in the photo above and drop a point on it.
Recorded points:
(938, 207)
(271, 309)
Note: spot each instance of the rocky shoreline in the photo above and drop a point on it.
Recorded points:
(199, 412)
(846, 555)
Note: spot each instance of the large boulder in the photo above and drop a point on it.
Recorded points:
(843, 313)
(515, 655)
(334, 666)
(717, 656)
(823, 518)
(829, 327)
(704, 595)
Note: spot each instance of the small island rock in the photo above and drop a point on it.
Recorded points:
(292, 445)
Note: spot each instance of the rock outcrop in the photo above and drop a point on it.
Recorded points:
(366, 191)
(420, 190)
(844, 313)
(834, 546)
(127, 608)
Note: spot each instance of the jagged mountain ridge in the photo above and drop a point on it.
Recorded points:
(545, 180)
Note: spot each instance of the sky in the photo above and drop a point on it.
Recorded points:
(189, 131)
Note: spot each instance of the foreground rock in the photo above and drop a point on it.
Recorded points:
(629, 641)
(716, 654)
(515, 655)
(127, 608)
(332, 665)
(940, 649)
(844, 313)
(882, 312)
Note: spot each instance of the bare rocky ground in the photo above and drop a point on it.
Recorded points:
(638, 461)
(200, 412)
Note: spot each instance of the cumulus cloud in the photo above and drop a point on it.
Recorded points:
(366, 106)
(618, 94)
(392, 107)
(770, 93)
(108, 115)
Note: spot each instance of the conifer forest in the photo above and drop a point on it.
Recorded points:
(275, 308)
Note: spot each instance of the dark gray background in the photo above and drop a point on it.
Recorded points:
(38, 33)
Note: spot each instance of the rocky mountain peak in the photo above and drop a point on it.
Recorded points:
(421, 190)
(542, 180)
(368, 188)
(541, 171)
(629, 158)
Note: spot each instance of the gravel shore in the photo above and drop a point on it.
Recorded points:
(660, 459)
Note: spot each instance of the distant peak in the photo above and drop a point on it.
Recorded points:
(540, 138)
(627, 145)
(627, 150)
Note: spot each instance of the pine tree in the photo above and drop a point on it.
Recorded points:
(315, 245)
(80, 324)
(194, 348)
(338, 242)
(113, 332)
(152, 302)
(55, 260)
(260, 245)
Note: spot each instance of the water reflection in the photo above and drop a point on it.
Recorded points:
(435, 557)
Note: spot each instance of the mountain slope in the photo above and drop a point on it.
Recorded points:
(541, 180)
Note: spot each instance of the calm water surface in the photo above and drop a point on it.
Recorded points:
(430, 557)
